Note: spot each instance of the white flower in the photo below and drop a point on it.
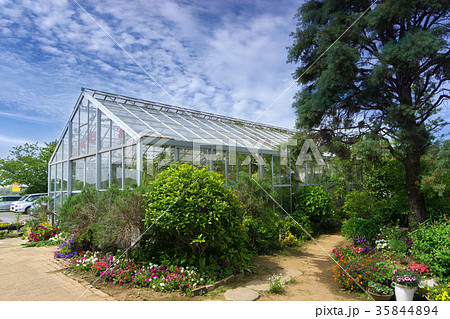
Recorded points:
(162, 284)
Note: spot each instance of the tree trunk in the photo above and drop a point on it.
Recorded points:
(416, 201)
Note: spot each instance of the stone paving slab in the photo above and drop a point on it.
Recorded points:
(30, 273)
(292, 273)
(241, 294)
(259, 285)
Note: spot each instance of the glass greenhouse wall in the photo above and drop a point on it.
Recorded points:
(117, 140)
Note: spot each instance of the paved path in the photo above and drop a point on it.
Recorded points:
(30, 273)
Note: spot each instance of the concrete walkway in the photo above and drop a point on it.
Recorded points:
(30, 273)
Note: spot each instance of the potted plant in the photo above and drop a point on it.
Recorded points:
(406, 282)
(380, 292)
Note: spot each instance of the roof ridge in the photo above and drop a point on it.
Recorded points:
(178, 109)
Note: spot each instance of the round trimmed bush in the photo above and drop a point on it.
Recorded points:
(193, 219)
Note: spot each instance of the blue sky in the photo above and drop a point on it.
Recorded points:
(226, 57)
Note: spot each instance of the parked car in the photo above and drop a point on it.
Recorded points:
(11, 208)
(24, 206)
(5, 201)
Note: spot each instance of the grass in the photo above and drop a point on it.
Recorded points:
(214, 294)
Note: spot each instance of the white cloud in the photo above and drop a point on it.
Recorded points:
(8, 142)
(24, 117)
(13, 140)
(203, 53)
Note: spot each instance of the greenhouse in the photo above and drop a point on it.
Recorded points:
(117, 140)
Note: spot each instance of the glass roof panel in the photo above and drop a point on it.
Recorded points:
(155, 119)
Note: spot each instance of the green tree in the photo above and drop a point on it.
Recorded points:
(436, 177)
(385, 76)
(27, 164)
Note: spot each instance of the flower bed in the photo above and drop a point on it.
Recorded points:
(352, 273)
(439, 293)
(42, 233)
(9, 226)
(8, 229)
(123, 271)
(359, 264)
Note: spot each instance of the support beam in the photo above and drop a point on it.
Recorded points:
(97, 148)
(69, 162)
(139, 162)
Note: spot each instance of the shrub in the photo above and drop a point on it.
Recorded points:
(437, 206)
(393, 210)
(80, 211)
(195, 220)
(384, 211)
(383, 272)
(263, 234)
(121, 218)
(432, 246)
(398, 247)
(360, 227)
(252, 198)
(315, 203)
(360, 204)
(111, 219)
(262, 224)
(287, 224)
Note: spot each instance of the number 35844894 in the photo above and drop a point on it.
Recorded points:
(406, 310)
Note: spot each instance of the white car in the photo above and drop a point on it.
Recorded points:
(21, 199)
(24, 206)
